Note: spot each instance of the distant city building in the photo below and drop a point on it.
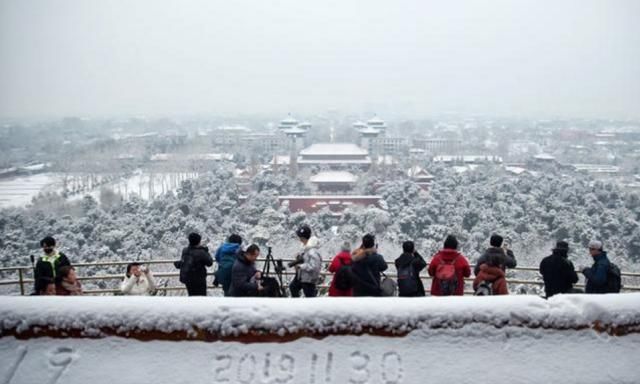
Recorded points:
(469, 159)
(544, 158)
(602, 169)
(437, 145)
(335, 155)
(334, 181)
(335, 203)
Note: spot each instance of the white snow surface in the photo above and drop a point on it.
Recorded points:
(461, 339)
(233, 316)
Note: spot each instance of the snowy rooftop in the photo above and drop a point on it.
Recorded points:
(334, 177)
(544, 156)
(281, 159)
(196, 156)
(375, 121)
(334, 149)
(369, 131)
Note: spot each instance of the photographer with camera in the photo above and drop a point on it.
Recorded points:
(245, 278)
(138, 281)
(307, 265)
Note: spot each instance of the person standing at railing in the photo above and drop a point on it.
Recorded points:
(342, 281)
(193, 266)
(491, 279)
(448, 269)
(409, 265)
(68, 285)
(49, 264)
(138, 281)
(597, 274)
(558, 271)
(498, 248)
(368, 265)
(245, 278)
(307, 264)
(225, 257)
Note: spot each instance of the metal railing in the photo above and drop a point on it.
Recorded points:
(25, 281)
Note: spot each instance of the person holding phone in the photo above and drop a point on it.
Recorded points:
(138, 281)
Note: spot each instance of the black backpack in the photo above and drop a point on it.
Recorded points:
(271, 287)
(344, 277)
(614, 279)
(407, 284)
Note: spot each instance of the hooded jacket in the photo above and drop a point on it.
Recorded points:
(508, 257)
(311, 262)
(226, 257)
(367, 266)
(461, 266)
(495, 275)
(342, 258)
(558, 273)
(243, 281)
(597, 275)
(418, 264)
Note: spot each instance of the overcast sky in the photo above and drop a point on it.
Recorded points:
(157, 58)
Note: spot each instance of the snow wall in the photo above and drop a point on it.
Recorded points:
(509, 339)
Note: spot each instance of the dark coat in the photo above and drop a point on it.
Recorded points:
(508, 258)
(461, 266)
(558, 273)
(597, 275)
(49, 267)
(243, 283)
(193, 265)
(418, 263)
(367, 266)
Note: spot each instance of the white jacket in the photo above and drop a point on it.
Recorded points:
(312, 262)
(142, 285)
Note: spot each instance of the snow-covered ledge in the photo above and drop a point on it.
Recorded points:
(515, 339)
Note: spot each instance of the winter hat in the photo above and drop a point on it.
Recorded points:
(596, 244)
(496, 240)
(304, 232)
(346, 246)
(562, 245)
(451, 242)
(368, 241)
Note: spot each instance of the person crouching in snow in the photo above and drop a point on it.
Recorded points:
(68, 284)
(342, 282)
(307, 264)
(138, 281)
(492, 276)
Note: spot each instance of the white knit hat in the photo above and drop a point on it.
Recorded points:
(595, 244)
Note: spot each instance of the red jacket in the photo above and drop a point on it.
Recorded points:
(461, 266)
(495, 274)
(342, 258)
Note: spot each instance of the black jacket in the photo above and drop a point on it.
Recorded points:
(366, 271)
(558, 273)
(418, 264)
(45, 269)
(243, 283)
(193, 265)
(509, 260)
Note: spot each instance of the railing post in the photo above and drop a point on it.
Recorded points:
(21, 281)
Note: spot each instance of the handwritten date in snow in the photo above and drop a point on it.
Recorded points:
(268, 368)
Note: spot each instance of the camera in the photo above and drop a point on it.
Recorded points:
(299, 260)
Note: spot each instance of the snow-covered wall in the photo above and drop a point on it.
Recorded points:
(577, 338)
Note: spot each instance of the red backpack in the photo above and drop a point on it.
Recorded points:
(447, 277)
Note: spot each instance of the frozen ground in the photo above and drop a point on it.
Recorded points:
(466, 340)
(18, 191)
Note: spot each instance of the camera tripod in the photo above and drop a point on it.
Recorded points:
(278, 268)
